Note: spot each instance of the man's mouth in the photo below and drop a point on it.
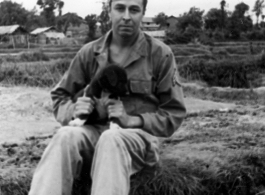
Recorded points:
(125, 26)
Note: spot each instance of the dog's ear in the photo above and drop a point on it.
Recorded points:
(114, 79)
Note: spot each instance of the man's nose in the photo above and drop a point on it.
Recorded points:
(126, 15)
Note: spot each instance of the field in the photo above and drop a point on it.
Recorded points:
(219, 149)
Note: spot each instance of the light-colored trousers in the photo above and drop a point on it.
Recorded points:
(110, 157)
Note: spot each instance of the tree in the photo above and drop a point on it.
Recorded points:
(63, 22)
(60, 5)
(214, 19)
(241, 9)
(238, 22)
(223, 3)
(49, 6)
(34, 20)
(12, 13)
(189, 26)
(258, 8)
(104, 19)
(192, 18)
(161, 19)
(91, 21)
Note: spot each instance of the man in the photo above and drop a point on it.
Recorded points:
(154, 108)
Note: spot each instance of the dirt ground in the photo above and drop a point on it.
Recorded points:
(211, 132)
(26, 112)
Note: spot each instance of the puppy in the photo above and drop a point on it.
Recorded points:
(111, 79)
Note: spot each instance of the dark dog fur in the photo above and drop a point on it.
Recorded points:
(111, 79)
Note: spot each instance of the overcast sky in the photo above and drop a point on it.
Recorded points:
(170, 7)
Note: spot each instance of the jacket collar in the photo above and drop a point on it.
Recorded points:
(139, 49)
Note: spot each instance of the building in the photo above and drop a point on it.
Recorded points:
(47, 35)
(151, 28)
(159, 34)
(172, 23)
(76, 26)
(77, 31)
(14, 34)
(148, 24)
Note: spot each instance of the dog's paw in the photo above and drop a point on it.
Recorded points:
(77, 122)
(114, 126)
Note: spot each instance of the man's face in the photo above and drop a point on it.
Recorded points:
(126, 17)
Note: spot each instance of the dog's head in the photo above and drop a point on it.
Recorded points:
(111, 79)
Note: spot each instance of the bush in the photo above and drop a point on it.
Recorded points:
(256, 34)
(33, 56)
(205, 39)
(181, 38)
(225, 72)
(180, 50)
(41, 74)
(218, 35)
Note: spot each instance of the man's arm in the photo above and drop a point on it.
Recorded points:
(62, 94)
(171, 111)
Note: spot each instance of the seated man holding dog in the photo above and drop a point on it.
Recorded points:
(153, 107)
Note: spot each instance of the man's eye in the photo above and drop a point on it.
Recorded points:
(135, 10)
(120, 8)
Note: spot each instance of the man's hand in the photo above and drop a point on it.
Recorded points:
(117, 111)
(83, 106)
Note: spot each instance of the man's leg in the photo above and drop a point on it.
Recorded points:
(120, 153)
(63, 159)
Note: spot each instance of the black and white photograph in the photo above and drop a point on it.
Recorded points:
(132, 97)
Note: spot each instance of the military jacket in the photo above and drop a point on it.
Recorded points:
(155, 91)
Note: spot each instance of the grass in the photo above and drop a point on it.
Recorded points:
(37, 55)
(55, 49)
(226, 72)
(238, 43)
(38, 74)
(243, 96)
(244, 174)
(180, 50)
(15, 185)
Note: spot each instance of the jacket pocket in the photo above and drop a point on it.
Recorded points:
(140, 86)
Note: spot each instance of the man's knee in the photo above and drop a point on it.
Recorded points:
(110, 137)
(69, 135)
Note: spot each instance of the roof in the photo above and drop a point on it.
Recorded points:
(147, 19)
(172, 17)
(10, 29)
(42, 30)
(56, 35)
(77, 16)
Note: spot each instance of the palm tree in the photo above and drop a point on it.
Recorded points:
(258, 8)
(60, 5)
(223, 3)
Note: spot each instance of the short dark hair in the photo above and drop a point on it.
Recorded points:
(144, 4)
